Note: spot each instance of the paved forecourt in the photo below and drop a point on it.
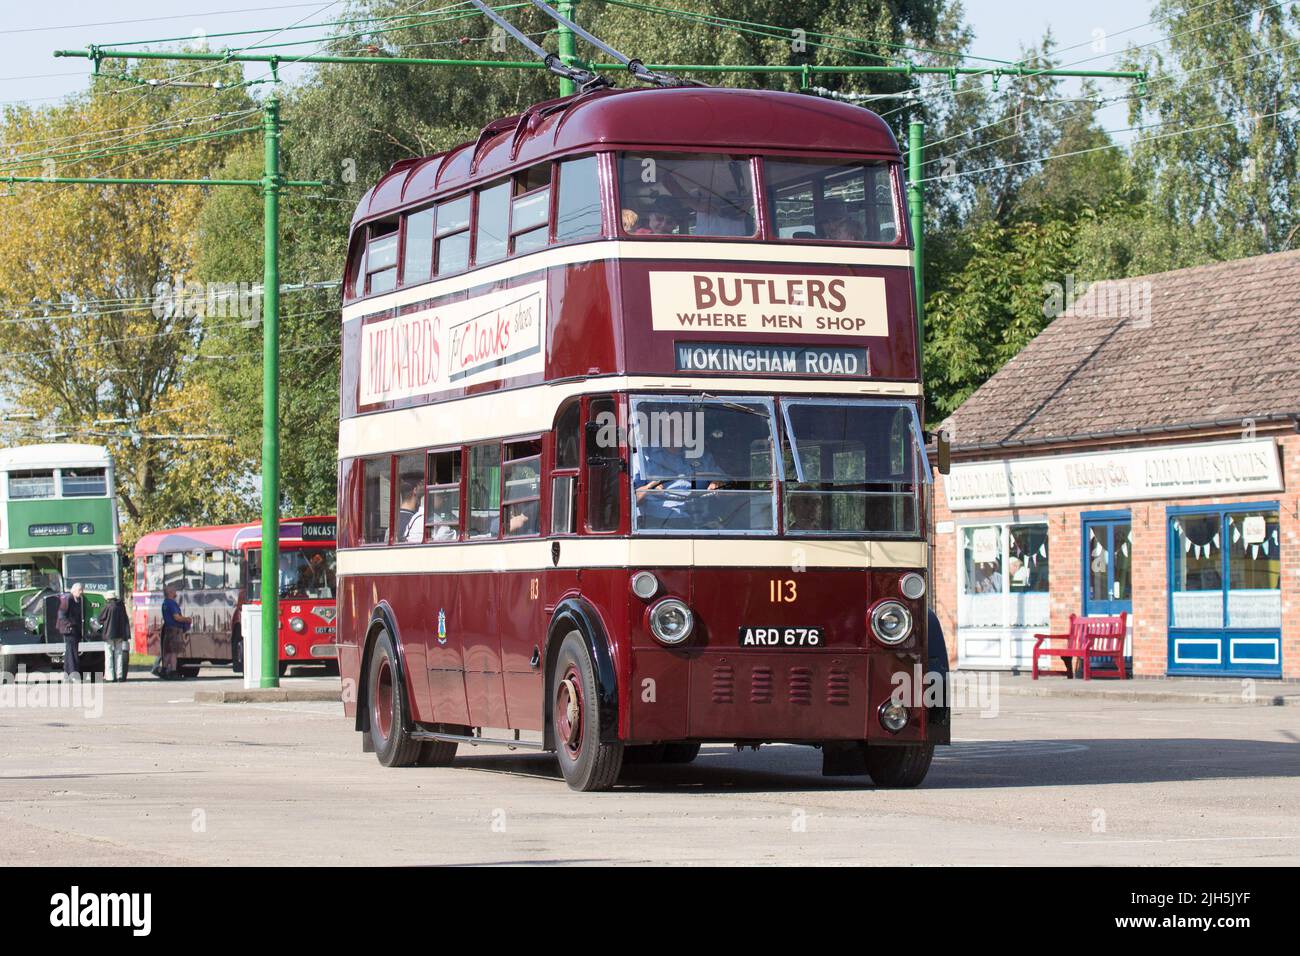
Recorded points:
(145, 775)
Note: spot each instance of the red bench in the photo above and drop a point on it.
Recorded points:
(1089, 638)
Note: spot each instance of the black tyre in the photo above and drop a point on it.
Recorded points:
(901, 766)
(386, 699)
(641, 754)
(9, 665)
(189, 671)
(681, 752)
(284, 668)
(586, 762)
(237, 653)
(437, 753)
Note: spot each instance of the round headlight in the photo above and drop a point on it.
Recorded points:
(912, 585)
(891, 622)
(645, 585)
(290, 651)
(671, 621)
(893, 716)
(296, 625)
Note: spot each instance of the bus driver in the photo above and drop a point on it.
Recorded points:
(665, 478)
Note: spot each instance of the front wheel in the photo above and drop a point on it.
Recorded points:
(386, 698)
(899, 766)
(586, 761)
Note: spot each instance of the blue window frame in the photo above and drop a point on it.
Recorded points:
(1224, 578)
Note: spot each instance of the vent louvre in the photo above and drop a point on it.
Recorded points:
(760, 686)
(800, 685)
(724, 684)
(837, 688)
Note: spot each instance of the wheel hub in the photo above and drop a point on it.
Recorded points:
(568, 712)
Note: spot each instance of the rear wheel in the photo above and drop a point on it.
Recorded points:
(586, 762)
(188, 670)
(386, 698)
(237, 653)
(8, 664)
(437, 753)
(902, 766)
(681, 752)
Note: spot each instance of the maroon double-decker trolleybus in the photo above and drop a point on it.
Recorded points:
(630, 456)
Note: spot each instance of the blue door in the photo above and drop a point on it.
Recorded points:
(1225, 598)
(1107, 563)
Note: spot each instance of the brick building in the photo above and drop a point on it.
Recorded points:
(1142, 454)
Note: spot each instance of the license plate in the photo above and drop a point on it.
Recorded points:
(793, 637)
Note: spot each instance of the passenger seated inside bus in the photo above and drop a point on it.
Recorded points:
(704, 195)
(838, 223)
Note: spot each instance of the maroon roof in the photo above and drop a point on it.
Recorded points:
(1219, 344)
(686, 118)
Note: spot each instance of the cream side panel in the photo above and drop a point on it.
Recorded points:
(720, 252)
(519, 411)
(628, 553)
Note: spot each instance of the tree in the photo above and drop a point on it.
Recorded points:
(1217, 161)
(349, 123)
(91, 347)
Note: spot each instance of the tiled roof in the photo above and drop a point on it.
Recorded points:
(1213, 343)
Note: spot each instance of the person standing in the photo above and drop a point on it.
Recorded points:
(115, 630)
(69, 623)
(175, 624)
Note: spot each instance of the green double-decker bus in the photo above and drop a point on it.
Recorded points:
(58, 527)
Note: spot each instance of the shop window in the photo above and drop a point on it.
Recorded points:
(1004, 576)
(377, 501)
(1226, 570)
(1197, 568)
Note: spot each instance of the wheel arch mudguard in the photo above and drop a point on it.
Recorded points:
(575, 614)
(381, 618)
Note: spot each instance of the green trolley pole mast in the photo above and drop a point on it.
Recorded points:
(270, 184)
(270, 656)
(566, 46)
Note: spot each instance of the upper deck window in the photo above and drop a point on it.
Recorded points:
(493, 223)
(678, 194)
(577, 208)
(417, 259)
(530, 210)
(31, 484)
(453, 235)
(381, 258)
(831, 201)
(85, 482)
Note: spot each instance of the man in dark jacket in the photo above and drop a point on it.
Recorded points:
(69, 623)
(115, 631)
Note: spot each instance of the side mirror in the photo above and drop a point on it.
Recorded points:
(943, 447)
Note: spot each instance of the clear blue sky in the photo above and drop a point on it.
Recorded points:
(30, 31)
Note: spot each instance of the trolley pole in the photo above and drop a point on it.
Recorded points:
(566, 46)
(270, 656)
(916, 213)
